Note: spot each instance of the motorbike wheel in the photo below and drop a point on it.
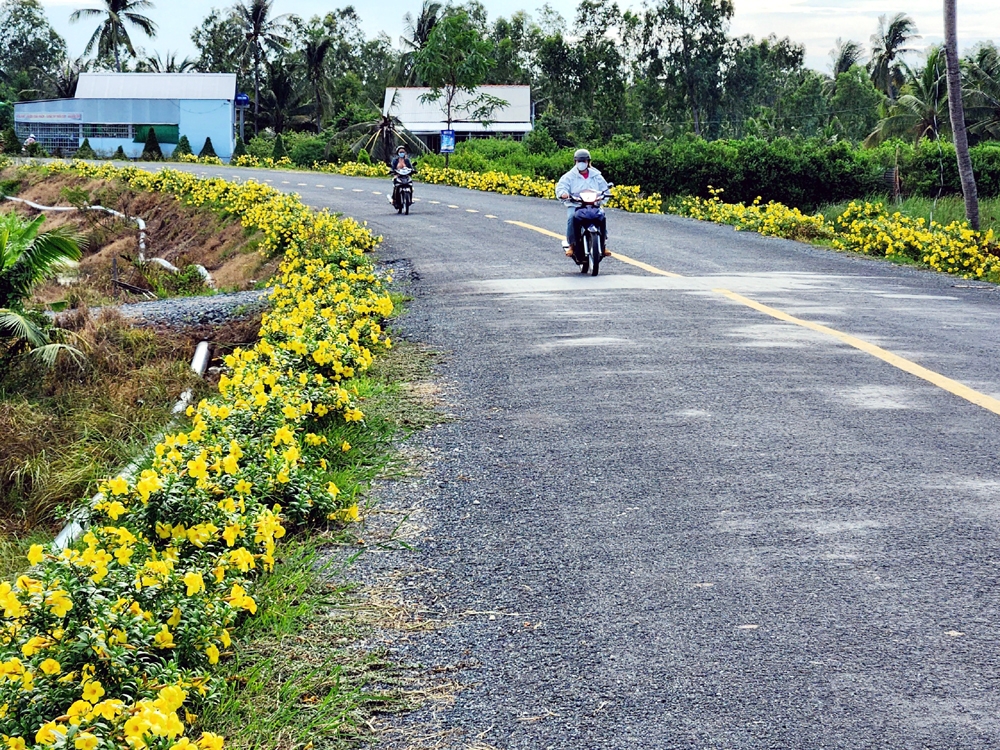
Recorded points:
(406, 205)
(585, 266)
(596, 253)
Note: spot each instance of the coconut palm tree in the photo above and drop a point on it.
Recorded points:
(921, 110)
(957, 112)
(418, 30)
(262, 34)
(314, 53)
(845, 55)
(889, 42)
(169, 64)
(283, 100)
(984, 92)
(26, 257)
(112, 34)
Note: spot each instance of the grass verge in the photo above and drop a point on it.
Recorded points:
(947, 209)
(303, 673)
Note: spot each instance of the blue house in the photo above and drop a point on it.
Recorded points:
(118, 109)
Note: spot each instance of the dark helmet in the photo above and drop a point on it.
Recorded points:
(581, 154)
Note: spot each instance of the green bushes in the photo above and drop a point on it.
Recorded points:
(152, 151)
(305, 152)
(183, 148)
(85, 151)
(802, 173)
(208, 150)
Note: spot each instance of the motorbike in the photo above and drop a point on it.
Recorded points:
(402, 190)
(589, 248)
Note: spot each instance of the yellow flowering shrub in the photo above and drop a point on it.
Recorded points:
(772, 219)
(869, 228)
(107, 644)
(353, 169)
(631, 199)
(863, 227)
(214, 161)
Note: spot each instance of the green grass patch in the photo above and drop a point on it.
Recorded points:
(296, 678)
(299, 676)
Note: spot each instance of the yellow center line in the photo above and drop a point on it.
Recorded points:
(618, 256)
(934, 378)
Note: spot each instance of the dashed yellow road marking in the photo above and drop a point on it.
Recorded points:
(546, 232)
(489, 216)
(322, 186)
(435, 202)
(376, 192)
(301, 184)
(357, 190)
(452, 206)
(471, 211)
(335, 187)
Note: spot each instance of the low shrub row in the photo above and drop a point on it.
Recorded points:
(866, 227)
(110, 644)
(801, 173)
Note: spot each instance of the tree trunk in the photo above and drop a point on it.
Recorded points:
(256, 90)
(957, 112)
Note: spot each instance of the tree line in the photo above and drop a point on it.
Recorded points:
(668, 69)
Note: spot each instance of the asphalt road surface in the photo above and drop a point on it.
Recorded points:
(696, 523)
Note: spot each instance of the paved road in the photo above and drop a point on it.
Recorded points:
(718, 529)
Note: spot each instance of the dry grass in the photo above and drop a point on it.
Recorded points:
(67, 428)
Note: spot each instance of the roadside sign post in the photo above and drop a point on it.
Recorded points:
(447, 145)
(242, 104)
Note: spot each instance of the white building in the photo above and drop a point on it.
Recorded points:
(426, 119)
(118, 109)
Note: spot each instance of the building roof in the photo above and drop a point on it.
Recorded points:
(156, 86)
(423, 117)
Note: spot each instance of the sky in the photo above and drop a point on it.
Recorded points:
(815, 23)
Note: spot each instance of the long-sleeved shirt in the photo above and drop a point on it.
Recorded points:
(573, 182)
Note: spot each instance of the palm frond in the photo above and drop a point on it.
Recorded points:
(20, 327)
(49, 354)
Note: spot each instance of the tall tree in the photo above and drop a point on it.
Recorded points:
(845, 55)
(262, 33)
(957, 112)
(417, 32)
(456, 60)
(112, 33)
(984, 93)
(169, 64)
(27, 41)
(688, 38)
(920, 110)
(889, 42)
(221, 46)
(314, 54)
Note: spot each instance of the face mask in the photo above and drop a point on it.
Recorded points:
(582, 166)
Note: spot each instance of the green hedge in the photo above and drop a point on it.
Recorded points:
(801, 173)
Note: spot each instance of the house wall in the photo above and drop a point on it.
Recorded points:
(61, 122)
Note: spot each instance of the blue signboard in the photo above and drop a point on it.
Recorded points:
(447, 141)
(242, 101)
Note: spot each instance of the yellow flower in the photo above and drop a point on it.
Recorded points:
(210, 741)
(164, 639)
(36, 553)
(213, 654)
(85, 741)
(15, 743)
(49, 733)
(50, 667)
(118, 486)
(194, 582)
(243, 487)
(59, 603)
(93, 691)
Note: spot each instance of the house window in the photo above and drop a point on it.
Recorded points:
(99, 130)
(53, 136)
(164, 133)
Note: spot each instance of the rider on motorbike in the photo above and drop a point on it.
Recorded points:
(581, 177)
(399, 161)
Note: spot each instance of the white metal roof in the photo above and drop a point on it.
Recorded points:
(156, 86)
(428, 117)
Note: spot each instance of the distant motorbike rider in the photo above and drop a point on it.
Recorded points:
(399, 161)
(581, 177)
